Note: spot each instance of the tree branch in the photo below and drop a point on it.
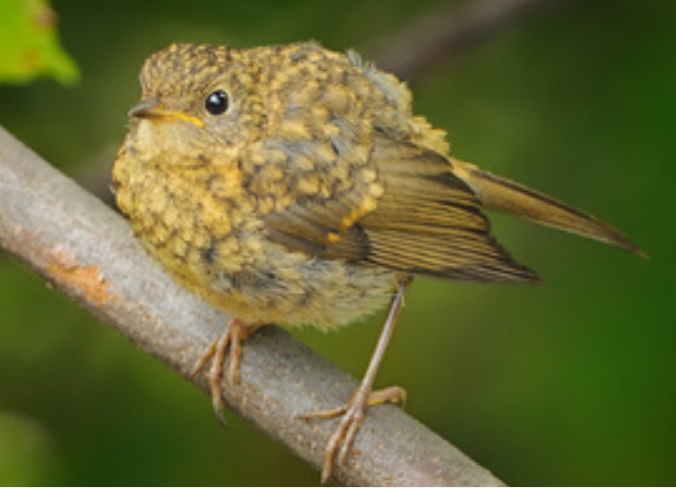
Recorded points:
(87, 251)
(447, 31)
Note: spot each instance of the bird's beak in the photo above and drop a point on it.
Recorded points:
(151, 108)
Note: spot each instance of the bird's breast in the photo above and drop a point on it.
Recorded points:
(208, 233)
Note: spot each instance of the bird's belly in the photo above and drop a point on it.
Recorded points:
(292, 289)
(259, 281)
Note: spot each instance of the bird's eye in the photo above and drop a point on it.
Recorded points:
(217, 102)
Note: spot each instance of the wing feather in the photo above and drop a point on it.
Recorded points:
(427, 222)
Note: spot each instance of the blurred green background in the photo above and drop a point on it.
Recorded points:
(570, 382)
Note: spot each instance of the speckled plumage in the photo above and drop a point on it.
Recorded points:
(212, 199)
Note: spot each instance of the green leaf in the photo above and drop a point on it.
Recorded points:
(29, 45)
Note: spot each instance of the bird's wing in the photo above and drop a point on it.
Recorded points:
(424, 220)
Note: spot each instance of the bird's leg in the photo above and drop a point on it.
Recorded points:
(353, 412)
(235, 332)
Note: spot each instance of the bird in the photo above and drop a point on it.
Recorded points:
(292, 184)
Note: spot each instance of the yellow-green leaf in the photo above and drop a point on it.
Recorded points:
(29, 45)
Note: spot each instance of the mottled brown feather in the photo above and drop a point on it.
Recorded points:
(427, 222)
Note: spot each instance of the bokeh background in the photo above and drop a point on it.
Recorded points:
(570, 382)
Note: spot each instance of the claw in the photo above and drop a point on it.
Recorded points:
(353, 414)
(235, 332)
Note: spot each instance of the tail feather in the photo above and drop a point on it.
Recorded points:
(502, 195)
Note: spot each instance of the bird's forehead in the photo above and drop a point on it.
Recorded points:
(277, 71)
(184, 67)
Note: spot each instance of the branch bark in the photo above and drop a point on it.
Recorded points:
(87, 251)
(448, 31)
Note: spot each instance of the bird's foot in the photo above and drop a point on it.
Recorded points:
(353, 414)
(235, 332)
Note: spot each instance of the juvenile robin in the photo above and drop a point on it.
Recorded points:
(294, 185)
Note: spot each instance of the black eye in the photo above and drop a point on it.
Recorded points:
(217, 102)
